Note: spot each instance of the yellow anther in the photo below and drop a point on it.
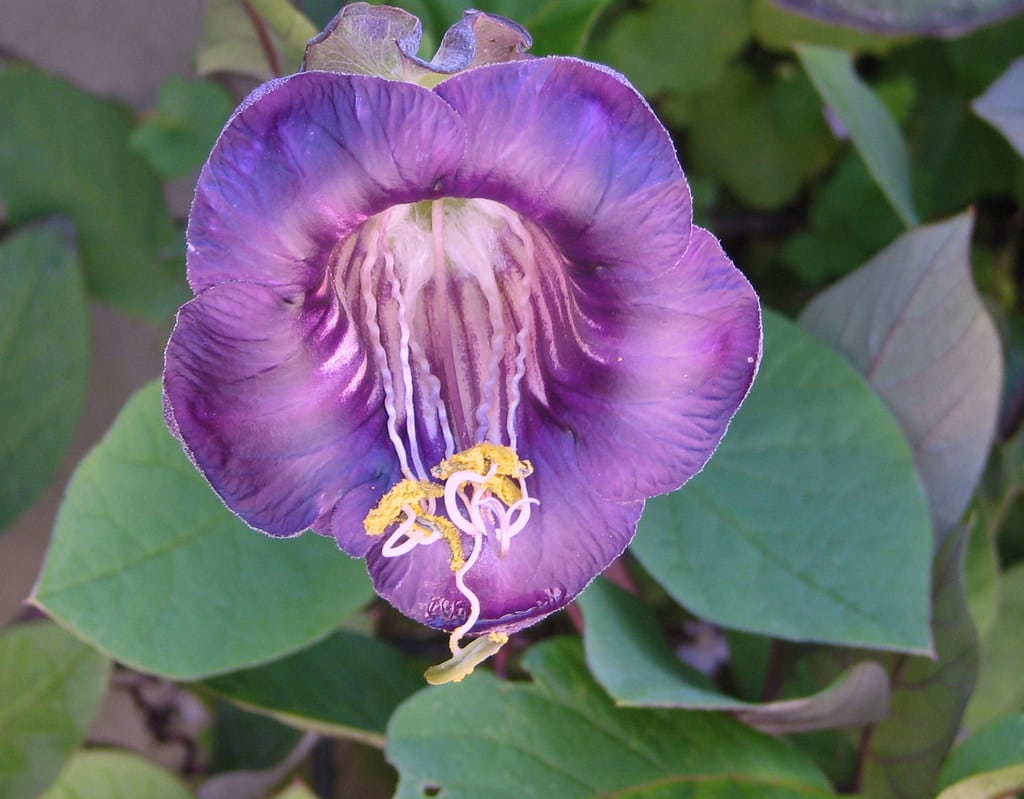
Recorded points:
(481, 458)
(505, 488)
(390, 509)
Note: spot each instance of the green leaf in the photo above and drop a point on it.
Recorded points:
(994, 746)
(999, 688)
(230, 41)
(763, 136)
(297, 790)
(809, 523)
(51, 685)
(66, 152)
(44, 359)
(561, 736)
(629, 657)
(115, 775)
(189, 115)
(1002, 105)
(346, 686)
(928, 17)
(680, 46)
(871, 127)
(911, 320)
(147, 564)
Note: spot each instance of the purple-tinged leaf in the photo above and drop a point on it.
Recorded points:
(947, 18)
(629, 657)
(912, 322)
(1002, 105)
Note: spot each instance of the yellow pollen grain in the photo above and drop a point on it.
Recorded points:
(451, 534)
(389, 509)
(481, 458)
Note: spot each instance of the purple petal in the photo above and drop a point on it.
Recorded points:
(573, 147)
(305, 160)
(573, 535)
(278, 406)
(656, 372)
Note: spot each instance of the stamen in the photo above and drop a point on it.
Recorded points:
(460, 666)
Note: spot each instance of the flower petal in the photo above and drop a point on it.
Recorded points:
(572, 536)
(303, 161)
(572, 146)
(655, 372)
(278, 406)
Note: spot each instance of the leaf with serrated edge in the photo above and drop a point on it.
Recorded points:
(44, 359)
(911, 321)
(346, 686)
(629, 657)
(115, 775)
(871, 127)
(807, 516)
(561, 736)
(148, 564)
(51, 685)
(1002, 105)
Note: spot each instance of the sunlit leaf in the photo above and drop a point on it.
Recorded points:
(629, 657)
(232, 41)
(912, 322)
(147, 563)
(66, 152)
(992, 785)
(1002, 105)
(809, 523)
(929, 17)
(115, 775)
(44, 359)
(561, 736)
(51, 685)
(871, 127)
(346, 686)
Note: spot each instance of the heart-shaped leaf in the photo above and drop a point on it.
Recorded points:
(148, 564)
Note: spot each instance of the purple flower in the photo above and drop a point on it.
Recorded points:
(465, 330)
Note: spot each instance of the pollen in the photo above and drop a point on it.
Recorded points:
(391, 507)
(481, 458)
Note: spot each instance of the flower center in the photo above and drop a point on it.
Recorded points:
(443, 302)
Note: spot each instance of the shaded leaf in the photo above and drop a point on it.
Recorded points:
(994, 746)
(147, 564)
(63, 151)
(115, 775)
(629, 657)
(44, 359)
(561, 736)
(51, 685)
(189, 115)
(926, 17)
(778, 29)
(871, 127)
(680, 46)
(346, 686)
(1000, 688)
(807, 516)
(762, 137)
(1002, 105)
(902, 754)
(911, 321)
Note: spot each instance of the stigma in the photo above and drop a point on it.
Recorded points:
(480, 495)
